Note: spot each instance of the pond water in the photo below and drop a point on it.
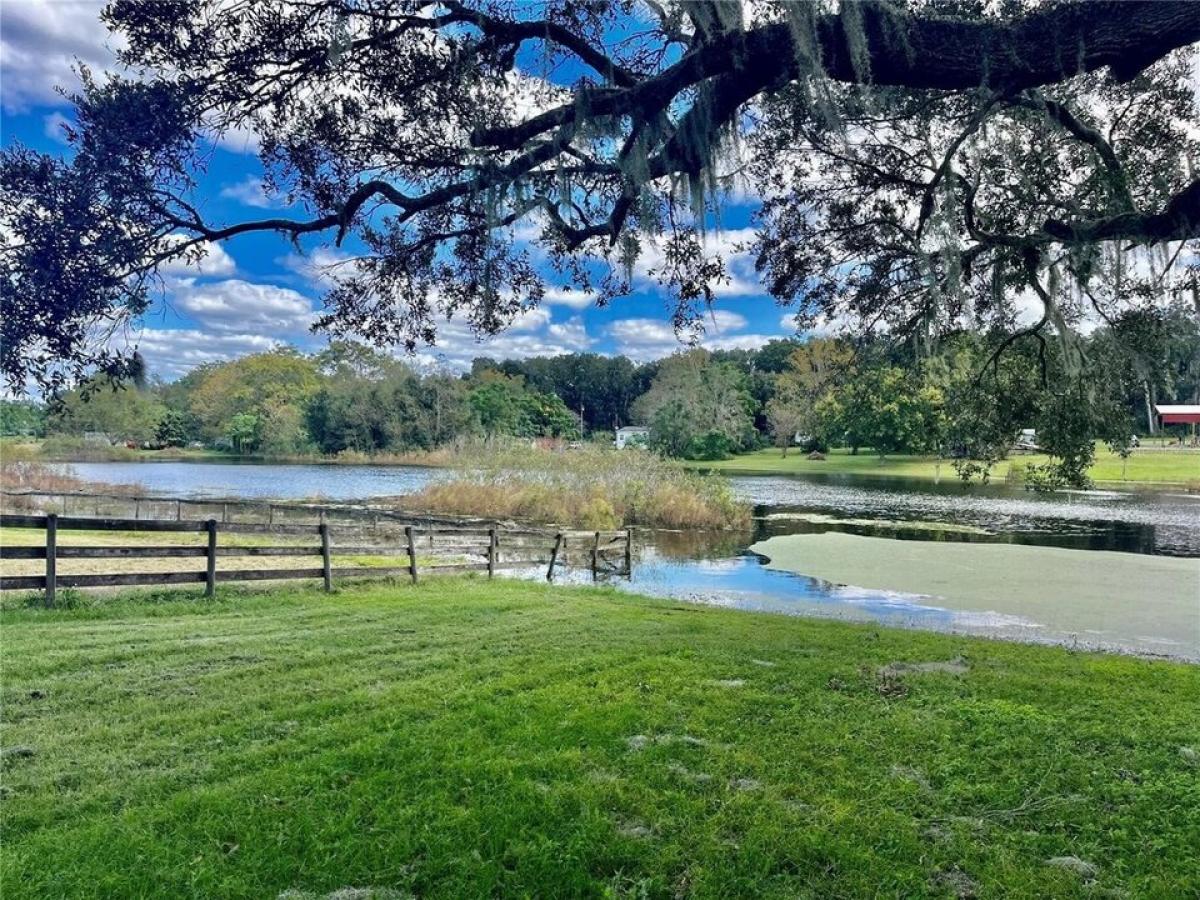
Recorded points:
(258, 480)
(719, 569)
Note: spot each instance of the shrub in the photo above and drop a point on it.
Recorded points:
(710, 445)
(66, 448)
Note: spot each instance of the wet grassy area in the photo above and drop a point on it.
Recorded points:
(461, 738)
(1104, 598)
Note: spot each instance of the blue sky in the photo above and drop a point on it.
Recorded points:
(256, 291)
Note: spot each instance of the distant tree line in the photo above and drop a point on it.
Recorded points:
(965, 398)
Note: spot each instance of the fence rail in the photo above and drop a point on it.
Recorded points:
(497, 548)
(264, 512)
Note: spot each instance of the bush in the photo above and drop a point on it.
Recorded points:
(710, 445)
(66, 448)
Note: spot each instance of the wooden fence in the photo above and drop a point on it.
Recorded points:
(444, 545)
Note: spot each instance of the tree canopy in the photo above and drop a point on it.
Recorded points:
(921, 162)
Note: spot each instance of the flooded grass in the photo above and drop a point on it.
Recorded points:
(1105, 598)
(466, 739)
(910, 525)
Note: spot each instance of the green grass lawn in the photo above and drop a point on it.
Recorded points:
(1145, 466)
(464, 738)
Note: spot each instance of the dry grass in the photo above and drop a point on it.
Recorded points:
(20, 472)
(67, 448)
(592, 487)
(441, 456)
(307, 555)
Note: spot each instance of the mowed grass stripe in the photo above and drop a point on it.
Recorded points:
(464, 738)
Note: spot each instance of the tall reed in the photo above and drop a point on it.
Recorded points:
(591, 487)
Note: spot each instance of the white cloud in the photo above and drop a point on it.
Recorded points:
(236, 306)
(567, 296)
(320, 266)
(43, 41)
(721, 320)
(251, 191)
(216, 261)
(53, 126)
(530, 320)
(40, 42)
(173, 352)
(532, 334)
(738, 342)
(742, 281)
(647, 339)
(240, 139)
(571, 335)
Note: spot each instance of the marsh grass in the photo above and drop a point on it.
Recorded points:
(23, 471)
(467, 739)
(590, 487)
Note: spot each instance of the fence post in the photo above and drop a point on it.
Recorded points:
(325, 565)
(595, 555)
(412, 554)
(491, 551)
(628, 552)
(224, 512)
(210, 574)
(178, 511)
(558, 539)
(51, 558)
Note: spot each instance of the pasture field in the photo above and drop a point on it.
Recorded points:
(1150, 466)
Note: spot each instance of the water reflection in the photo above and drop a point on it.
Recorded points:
(307, 481)
(1145, 522)
(715, 567)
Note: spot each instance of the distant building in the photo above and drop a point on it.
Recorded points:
(1178, 415)
(632, 436)
(1027, 441)
(1188, 414)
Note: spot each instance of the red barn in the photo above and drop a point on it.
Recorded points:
(1178, 415)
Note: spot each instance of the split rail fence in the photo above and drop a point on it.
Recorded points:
(422, 545)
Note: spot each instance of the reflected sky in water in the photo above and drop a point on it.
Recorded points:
(716, 568)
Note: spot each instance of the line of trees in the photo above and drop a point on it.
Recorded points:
(966, 398)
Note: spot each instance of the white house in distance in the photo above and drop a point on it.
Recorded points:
(632, 436)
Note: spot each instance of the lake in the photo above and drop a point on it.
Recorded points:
(720, 569)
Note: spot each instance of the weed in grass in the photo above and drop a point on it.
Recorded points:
(958, 883)
(889, 685)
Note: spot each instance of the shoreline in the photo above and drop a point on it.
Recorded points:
(705, 467)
